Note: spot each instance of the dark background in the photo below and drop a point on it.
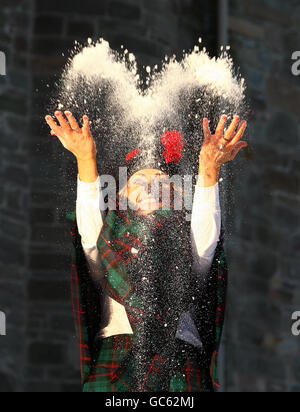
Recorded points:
(39, 352)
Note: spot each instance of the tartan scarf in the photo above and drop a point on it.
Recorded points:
(155, 286)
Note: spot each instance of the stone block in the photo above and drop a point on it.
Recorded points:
(13, 104)
(124, 10)
(280, 126)
(71, 388)
(139, 45)
(11, 252)
(280, 181)
(286, 217)
(20, 44)
(72, 6)
(50, 235)
(17, 175)
(34, 386)
(41, 215)
(12, 228)
(8, 383)
(48, 291)
(49, 261)
(247, 28)
(45, 24)
(51, 46)
(264, 12)
(283, 95)
(80, 28)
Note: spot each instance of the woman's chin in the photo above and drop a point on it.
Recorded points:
(147, 207)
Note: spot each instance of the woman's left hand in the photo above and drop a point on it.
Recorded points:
(220, 148)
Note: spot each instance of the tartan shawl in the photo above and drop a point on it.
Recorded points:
(153, 307)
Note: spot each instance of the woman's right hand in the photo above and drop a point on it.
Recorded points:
(78, 141)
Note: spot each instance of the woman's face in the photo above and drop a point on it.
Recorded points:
(139, 190)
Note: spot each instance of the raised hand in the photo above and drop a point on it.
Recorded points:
(78, 141)
(220, 148)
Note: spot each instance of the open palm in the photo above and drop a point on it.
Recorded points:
(221, 147)
(78, 141)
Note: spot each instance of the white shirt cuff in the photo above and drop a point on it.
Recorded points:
(88, 191)
(208, 195)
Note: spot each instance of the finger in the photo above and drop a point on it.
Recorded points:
(60, 137)
(239, 134)
(237, 149)
(206, 130)
(232, 128)
(62, 121)
(72, 121)
(221, 125)
(86, 127)
(54, 126)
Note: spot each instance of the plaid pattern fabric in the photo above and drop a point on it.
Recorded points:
(102, 376)
(105, 376)
(109, 365)
(119, 235)
(86, 300)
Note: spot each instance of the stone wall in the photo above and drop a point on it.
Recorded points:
(40, 353)
(15, 18)
(261, 354)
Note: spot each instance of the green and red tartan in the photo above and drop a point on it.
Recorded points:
(105, 376)
(107, 364)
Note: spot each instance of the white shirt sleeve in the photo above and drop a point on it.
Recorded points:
(205, 226)
(90, 221)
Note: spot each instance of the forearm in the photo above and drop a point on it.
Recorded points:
(205, 225)
(209, 174)
(90, 222)
(87, 170)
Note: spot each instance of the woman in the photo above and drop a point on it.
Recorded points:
(149, 286)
